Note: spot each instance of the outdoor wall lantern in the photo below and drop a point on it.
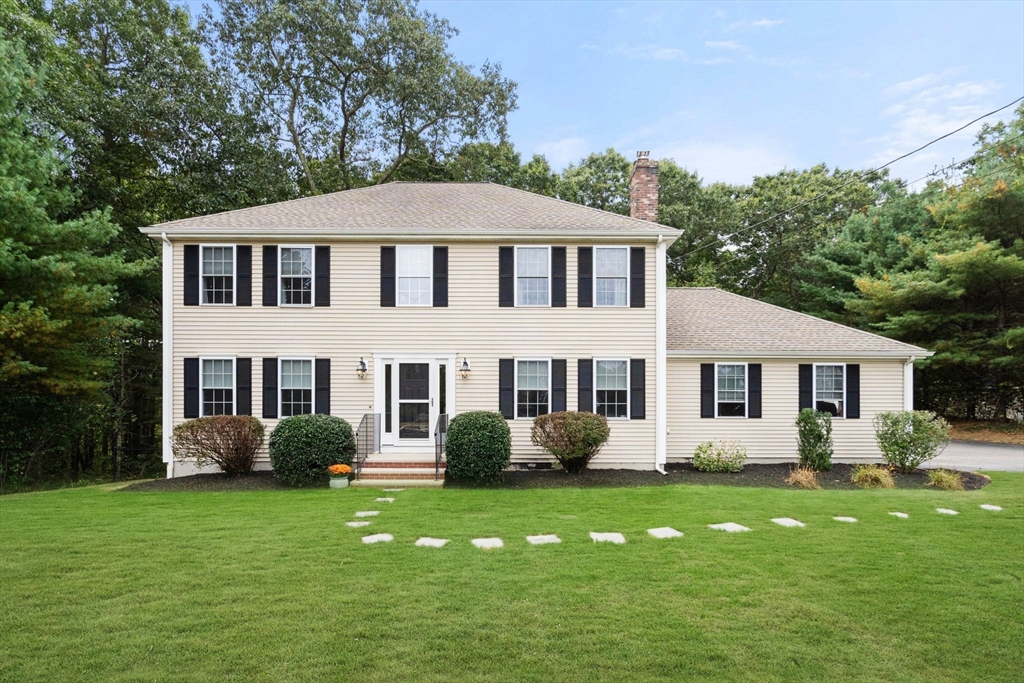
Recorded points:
(361, 369)
(465, 368)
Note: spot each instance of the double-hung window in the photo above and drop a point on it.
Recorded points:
(533, 387)
(830, 389)
(296, 386)
(296, 276)
(415, 272)
(218, 275)
(533, 276)
(731, 389)
(218, 386)
(611, 388)
(611, 276)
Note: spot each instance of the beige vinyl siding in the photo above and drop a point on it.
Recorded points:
(473, 326)
(773, 437)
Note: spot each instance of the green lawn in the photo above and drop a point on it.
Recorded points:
(271, 586)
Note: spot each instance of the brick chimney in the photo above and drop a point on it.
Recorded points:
(643, 188)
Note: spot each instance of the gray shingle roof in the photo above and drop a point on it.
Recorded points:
(420, 207)
(709, 319)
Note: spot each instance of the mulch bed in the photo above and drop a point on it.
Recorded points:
(257, 481)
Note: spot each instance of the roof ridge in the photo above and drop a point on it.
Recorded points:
(583, 206)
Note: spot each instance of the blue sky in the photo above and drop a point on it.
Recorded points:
(737, 89)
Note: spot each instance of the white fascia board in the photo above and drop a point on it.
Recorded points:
(327, 235)
(831, 355)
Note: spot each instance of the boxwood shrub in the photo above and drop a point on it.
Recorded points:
(304, 446)
(814, 439)
(479, 447)
(719, 456)
(573, 438)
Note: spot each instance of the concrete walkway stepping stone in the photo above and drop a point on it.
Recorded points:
(946, 511)
(993, 508)
(851, 520)
(368, 513)
(378, 538)
(356, 524)
(901, 515)
(665, 532)
(607, 537)
(731, 527)
(392, 490)
(787, 521)
(428, 542)
(543, 539)
(488, 543)
(385, 500)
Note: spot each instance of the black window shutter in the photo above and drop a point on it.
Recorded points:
(323, 386)
(853, 391)
(191, 275)
(269, 387)
(637, 389)
(707, 389)
(559, 386)
(322, 284)
(753, 390)
(506, 388)
(243, 275)
(506, 277)
(558, 277)
(585, 386)
(440, 277)
(269, 275)
(243, 386)
(637, 287)
(585, 277)
(806, 374)
(191, 388)
(387, 277)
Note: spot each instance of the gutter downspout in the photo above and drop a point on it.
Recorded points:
(908, 384)
(167, 311)
(661, 356)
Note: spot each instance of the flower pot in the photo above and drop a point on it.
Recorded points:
(339, 482)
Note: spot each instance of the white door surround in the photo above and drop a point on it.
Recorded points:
(419, 384)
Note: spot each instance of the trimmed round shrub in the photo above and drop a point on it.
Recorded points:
(719, 456)
(573, 438)
(814, 439)
(478, 447)
(230, 442)
(910, 438)
(304, 446)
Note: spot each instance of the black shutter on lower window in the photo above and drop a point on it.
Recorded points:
(440, 277)
(191, 294)
(707, 389)
(269, 387)
(585, 386)
(269, 275)
(507, 388)
(191, 388)
(387, 277)
(806, 376)
(637, 270)
(506, 277)
(585, 277)
(754, 390)
(637, 389)
(559, 386)
(558, 277)
(243, 275)
(852, 391)
(322, 404)
(322, 282)
(243, 386)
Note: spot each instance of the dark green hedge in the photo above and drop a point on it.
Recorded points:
(304, 446)
(479, 447)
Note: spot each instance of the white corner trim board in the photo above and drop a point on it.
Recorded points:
(731, 527)
(385, 500)
(368, 513)
(665, 532)
(787, 521)
(901, 515)
(543, 539)
(946, 511)
(993, 508)
(851, 520)
(488, 543)
(607, 537)
(427, 542)
(356, 525)
(378, 538)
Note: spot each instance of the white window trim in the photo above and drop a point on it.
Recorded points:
(398, 276)
(234, 382)
(515, 385)
(515, 278)
(234, 274)
(629, 392)
(312, 277)
(746, 394)
(312, 384)
(814, 386)
(593, 277)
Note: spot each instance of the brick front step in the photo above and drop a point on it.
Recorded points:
(364, 475)
(397, 483)
(376, 464)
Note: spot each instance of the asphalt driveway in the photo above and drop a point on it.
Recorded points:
(975, 455)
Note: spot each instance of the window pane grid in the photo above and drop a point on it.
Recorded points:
(296, 276)
(732, 391)
(532, 276)
(611, 386)
(532, 395)
(828, 387)
(414, 291)
(611, 291)
(296, 387)
(218, 275)
(218, 386)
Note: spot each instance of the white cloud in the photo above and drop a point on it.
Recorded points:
(736, 161)
(748, 24)
(725, 45)
(562, 152)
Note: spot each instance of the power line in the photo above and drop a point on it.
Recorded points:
(961, 163)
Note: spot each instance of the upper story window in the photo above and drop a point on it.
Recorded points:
(533, 387)
(533, 276)
(296, 387)
(415, 273)
(218, 386)
(731, 390)
(611, 276)
(296, 276)
(830, 389)
(611, 388)
(218, 275)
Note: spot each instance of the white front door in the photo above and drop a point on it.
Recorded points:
(412, 392)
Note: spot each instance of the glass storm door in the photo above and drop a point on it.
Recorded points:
(414, 403)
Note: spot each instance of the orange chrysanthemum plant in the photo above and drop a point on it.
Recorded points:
(339, 470)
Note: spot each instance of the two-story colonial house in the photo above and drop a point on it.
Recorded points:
(400, 304)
